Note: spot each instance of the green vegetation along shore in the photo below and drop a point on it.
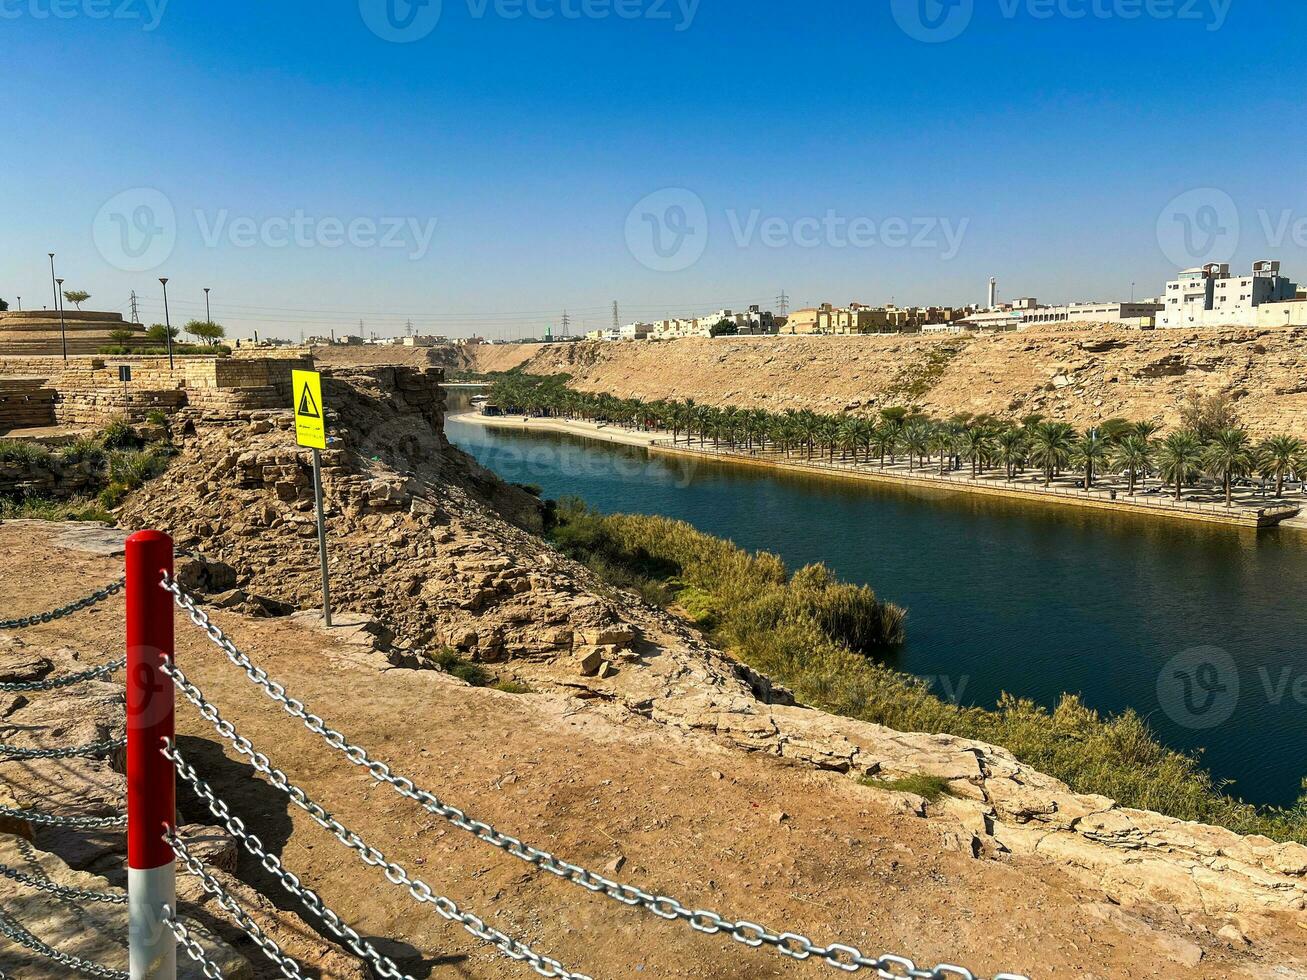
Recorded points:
(821, 638)
(1208, 443)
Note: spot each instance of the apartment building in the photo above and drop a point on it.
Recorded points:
(1208, 296)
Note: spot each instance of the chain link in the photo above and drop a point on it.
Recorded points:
(8, 752)
(385, 967)
(289, 968)
(62, 891)
(395, 873)
(191, 945)
(797, 946)
(104, 670)
(48, 617)
(117, 821)
(25, 939)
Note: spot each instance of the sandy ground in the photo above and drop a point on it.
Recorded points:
(591, 430)
(747, 835)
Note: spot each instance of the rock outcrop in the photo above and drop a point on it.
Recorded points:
(1079, 376)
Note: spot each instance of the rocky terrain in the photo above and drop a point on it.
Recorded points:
(1080, 376)
(640, 749)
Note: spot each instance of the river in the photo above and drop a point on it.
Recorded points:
(1197, 627)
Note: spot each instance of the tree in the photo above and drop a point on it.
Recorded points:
(76, 296)
(205, 330)
(723, 328)
(1050, 447)
(1011, 450)
(1278, 456)
(160, 334)
(1090, 450)
(977, 446)
(4, 305)
(1227, 456)
(1205, 417)
(121, 336)
(1134, 454)
(1179, 457)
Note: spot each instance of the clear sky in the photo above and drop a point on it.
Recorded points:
(317, 163)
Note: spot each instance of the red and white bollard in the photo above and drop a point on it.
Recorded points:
(151, 790)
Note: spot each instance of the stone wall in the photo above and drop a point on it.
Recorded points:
(39, 331)
(86, 390)
(25, 403)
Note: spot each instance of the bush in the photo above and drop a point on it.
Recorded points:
(44, 509)
(118, 434)
(131, 468)
(926, 786)
(83, 450)
(513, 687)
(22, 451)
(452, 662)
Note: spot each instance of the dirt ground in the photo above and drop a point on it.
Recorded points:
(743, 834)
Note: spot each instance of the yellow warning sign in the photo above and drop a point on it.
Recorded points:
(310, 429)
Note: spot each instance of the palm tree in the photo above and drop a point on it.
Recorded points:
(916, 440)
(1278, 456)
(1227, 456)
(977, 446)
(1088, 452)
(944, 440)
(1050, 447)
(1134, 454)
(1113, 430)
(1179, 457)
(884, 438)
(1147, 428)
(1011, 449)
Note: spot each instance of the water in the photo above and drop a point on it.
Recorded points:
(1197, 627)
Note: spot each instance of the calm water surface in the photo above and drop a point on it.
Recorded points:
(1197, 627)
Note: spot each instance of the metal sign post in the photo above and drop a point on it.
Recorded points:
(311, 432)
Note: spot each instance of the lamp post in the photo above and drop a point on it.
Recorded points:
(63, 337)
(207, 317)
(54, 283)
(167, 323)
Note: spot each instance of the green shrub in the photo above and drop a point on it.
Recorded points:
(113, 495)
(44, 509)
(156, 416)
(452, 662)
(922, 784)
(21, 451)
(82, 450)
(119, 434)
(513, 687)
(132, 468)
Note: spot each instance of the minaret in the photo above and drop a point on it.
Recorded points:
(993, 293)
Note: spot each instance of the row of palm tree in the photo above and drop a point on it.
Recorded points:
(1136, 450)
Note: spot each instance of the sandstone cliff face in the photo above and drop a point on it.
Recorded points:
(1080, 376)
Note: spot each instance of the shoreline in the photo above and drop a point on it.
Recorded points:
(1271, 514)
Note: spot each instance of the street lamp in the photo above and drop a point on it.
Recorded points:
(63, 337)
(54, 283)
(167, 323)
(207, 317)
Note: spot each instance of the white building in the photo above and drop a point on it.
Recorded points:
(1209, 296)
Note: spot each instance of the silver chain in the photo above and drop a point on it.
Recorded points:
(104, 747)
(48, 617)
(385, 967)
(795, 945)
(104, 670)
(289, 968)
(75, 963)
(74, 894)
(58, 820)
(191, 945)
(395, 873)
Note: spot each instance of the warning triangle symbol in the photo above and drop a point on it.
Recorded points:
(308, 407)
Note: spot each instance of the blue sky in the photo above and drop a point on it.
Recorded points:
(483, 176)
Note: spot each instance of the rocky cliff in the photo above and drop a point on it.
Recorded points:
(1080, 376)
